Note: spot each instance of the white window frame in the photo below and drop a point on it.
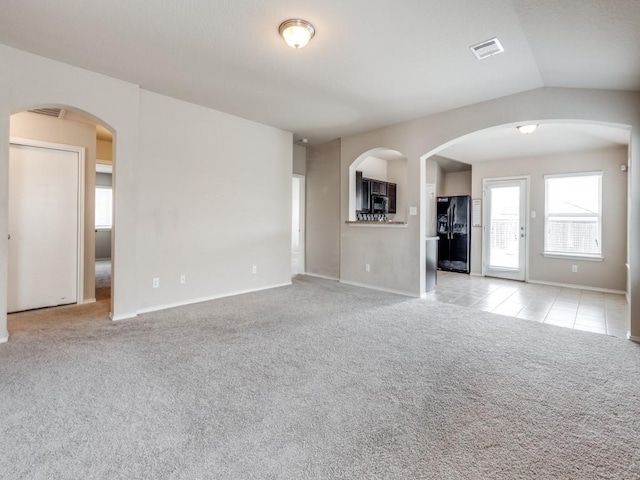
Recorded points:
(576, 255)
(105, 227)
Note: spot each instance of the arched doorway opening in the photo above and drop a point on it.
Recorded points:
(569, 239)
(39, 138)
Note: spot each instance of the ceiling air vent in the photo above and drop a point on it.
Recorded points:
(487, 48)
(50, 112)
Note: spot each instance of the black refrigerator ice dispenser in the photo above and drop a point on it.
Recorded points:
(453, 214)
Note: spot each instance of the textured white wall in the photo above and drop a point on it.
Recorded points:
(214, 200)
(244, 167)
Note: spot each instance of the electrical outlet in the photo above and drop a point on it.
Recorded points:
(574, 268)
(156, 283)
(183, 279)
(367, 267)
(254, 269)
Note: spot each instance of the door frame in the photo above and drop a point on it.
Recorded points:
(301, 220)
(527, 216)
(80, 151)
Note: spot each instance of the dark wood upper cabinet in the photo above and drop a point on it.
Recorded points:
(365, 187)
(378, 187)
(358, 191)
(391, 193)
(366, 195)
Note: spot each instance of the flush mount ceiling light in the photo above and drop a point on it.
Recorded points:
(296, 32)
(527, 128)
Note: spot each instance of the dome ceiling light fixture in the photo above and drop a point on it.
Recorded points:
(527, 128)
(296, 32)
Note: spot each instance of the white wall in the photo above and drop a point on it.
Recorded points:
(201, 184)
(372, 167)
(214, 200)
(607, 274)
(27, 81)
(403, 250)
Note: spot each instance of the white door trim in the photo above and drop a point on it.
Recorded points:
(80, 151)
(527, 216)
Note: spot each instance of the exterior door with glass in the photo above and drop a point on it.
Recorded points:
(505, 228)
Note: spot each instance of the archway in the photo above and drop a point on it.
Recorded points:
(608, 154)
(63, 125)
(386, 165)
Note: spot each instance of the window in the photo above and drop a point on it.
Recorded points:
(573, 215)
(104, 207)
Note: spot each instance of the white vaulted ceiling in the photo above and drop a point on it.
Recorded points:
(371, 63)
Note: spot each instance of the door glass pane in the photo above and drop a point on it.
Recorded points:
(504, 244)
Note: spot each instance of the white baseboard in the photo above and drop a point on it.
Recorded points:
(475, 274)
(382, 289)
(321, 276)
(182, 303)
(126, 316)
(580, 287)
(89, 300)
(633, 338)
(5, 339)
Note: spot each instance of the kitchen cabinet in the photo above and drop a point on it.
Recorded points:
(358, 191)
(391, 193)
(365, 187)
(366, 195)
(378, 187)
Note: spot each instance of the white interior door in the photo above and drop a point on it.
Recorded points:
(43, 227)
(505, 233)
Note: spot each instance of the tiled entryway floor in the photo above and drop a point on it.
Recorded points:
(597, 312)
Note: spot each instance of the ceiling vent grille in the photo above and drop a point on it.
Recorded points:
(50, 112)
(487, 48)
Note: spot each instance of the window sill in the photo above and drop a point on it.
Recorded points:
(573, 257)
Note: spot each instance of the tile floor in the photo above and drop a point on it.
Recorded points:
(596, 312)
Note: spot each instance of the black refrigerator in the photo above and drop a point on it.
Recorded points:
(454, 232)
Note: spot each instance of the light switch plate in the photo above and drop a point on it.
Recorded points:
(413, 210)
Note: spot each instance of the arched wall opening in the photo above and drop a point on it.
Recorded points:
(62, 125)
(613, 272)
(386, 165)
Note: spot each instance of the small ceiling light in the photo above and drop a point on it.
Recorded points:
(296, 32)
(527, 128)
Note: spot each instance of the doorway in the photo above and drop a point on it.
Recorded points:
(505, 230)
(297, 225)
(45, 225)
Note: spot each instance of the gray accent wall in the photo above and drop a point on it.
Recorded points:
(323, 210)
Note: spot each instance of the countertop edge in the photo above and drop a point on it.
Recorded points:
(376, 224)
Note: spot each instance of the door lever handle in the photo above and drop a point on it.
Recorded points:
(9, 237)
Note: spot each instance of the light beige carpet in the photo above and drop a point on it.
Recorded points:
(314, 381)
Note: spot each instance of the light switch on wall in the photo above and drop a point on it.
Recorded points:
(533, 214)
(413, 210)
